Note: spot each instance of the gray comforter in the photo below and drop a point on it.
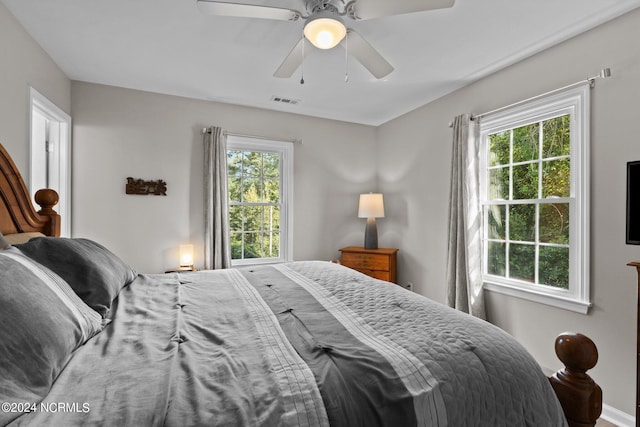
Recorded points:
(306, 343)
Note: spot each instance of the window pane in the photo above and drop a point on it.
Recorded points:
(252, 190)
(499, 148)
(556, 178)
(234, 162)
(556, 137)
(271, 164)
(272, 218)
(499, 184)
(496, 221)
(252, 163)
(497, 259)
(236, 245)
(525, 181)
(554, 266)
(525, 143)
(235, 218)
(252, 245)
(272, 190)
(253, 218)
(271, 245)
(235, 188)
(522, 223)
(268, 218)
(522, 262)
(554, 223)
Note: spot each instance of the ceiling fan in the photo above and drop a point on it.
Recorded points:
(325, 25)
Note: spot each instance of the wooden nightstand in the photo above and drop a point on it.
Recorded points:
(379, 263)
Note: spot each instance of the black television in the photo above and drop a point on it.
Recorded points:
(633, 203)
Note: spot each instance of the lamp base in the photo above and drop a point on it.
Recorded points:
(371, 234)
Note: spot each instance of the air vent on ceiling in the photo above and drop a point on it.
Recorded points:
(283, 100)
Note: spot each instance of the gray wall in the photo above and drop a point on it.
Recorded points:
(120, 133)
(414, 166)
(23, 63)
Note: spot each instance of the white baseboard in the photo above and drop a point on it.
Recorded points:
(617, 417)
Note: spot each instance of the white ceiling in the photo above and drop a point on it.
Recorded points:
(168, 46)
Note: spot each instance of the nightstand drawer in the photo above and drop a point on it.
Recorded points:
(366, 261)
(377, 274)
(377, 263)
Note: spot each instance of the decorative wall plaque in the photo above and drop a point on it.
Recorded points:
(140, 186)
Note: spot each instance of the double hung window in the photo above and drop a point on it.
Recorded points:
(260, 176)
(534, 192)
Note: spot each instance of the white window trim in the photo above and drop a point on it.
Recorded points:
(51, 111)
(576, 102)
(285, 149)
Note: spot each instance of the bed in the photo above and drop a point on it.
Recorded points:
(85, 340)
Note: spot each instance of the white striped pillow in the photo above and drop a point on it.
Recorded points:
(42, 322)
(90, 321)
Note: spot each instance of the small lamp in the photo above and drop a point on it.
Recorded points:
(371, 207)
(186, 256)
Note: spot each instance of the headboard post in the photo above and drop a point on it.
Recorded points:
(17, 214)
(47, 199)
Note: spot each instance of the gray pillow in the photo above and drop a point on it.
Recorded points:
(42, 321)
(92, 271)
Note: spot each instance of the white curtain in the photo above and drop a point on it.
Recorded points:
(217, 250)
(464, 255)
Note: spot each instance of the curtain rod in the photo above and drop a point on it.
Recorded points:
(244, 135)
(604, 74)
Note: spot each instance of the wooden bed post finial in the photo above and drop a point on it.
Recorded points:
(579, 395)
(47, 199)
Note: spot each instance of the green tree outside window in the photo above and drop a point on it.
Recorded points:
(528, 182)
(254, 199)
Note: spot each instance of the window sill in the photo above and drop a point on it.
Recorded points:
(257, 261)
(560, 301)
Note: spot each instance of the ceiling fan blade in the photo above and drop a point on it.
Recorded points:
(366, 54)
(369, 9)
(247, 10)
(293, 61)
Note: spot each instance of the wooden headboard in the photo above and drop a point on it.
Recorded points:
(17, 214)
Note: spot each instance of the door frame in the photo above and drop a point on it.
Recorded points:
(52, 112)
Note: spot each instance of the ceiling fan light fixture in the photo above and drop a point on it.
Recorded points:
(325, 33)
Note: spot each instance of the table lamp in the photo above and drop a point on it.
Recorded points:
(371, 207)
(186, 256)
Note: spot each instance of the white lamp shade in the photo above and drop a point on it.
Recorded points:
(186, 255)
(371, 206)
(325, 33)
